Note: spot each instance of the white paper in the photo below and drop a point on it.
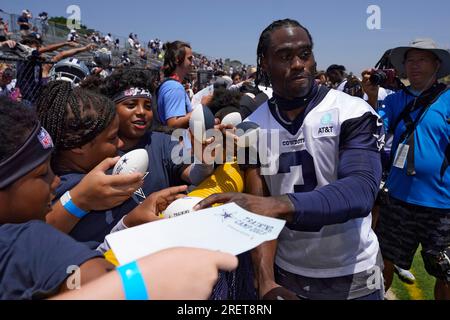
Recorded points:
(227, 228)
(197, 98)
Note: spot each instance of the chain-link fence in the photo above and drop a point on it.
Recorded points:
(204, 78)
(26, 78)
(51, 31)
(30, 72)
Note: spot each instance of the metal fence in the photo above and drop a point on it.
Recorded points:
(51, 31)
(31, 73)
(204, 78)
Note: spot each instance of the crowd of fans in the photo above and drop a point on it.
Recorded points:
(332, 164)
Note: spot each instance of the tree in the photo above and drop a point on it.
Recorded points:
(61, 22)
(234, 63)
(58, 20)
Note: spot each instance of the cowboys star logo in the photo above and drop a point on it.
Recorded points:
(139, 194)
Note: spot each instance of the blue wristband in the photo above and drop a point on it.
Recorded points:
(67, 203)
(133, 282)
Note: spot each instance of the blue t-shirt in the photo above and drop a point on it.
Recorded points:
(173, 101)
(162, 173)
(34, 258)
(432, 135)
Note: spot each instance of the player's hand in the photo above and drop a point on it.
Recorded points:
(275, 207)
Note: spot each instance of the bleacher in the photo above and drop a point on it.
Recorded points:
(58, 33)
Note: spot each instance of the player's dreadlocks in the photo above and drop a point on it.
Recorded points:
(264, 42)
(73, 117)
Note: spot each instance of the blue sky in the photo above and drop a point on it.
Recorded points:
(231, 28)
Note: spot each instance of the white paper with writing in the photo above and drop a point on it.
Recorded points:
(227, 228)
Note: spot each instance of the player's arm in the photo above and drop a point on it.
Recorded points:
(257, 201)
(263, 256)
(351, 196)
(354, 192)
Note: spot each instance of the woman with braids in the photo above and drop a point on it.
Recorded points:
(85, 128)
(35, 257)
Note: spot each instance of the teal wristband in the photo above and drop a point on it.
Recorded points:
(67, 203)
(133, 282)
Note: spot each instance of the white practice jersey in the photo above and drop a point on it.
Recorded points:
(307, 160)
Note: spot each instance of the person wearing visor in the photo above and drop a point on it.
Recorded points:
(35, 257)
(418, 206)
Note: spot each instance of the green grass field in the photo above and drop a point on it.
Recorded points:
(422, 289)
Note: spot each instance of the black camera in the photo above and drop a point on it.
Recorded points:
(382, 77)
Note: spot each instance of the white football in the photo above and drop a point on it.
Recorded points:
(180, 207)
(200, 121)
(133, 161)
(233, 118)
